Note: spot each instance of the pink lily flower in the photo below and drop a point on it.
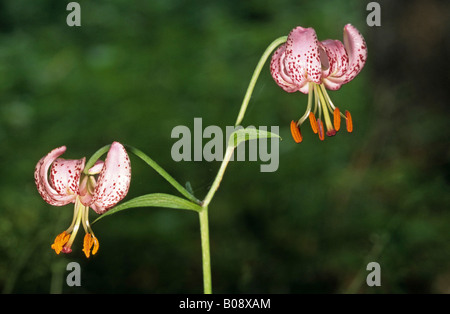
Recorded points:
(304, 64)
(69, 183)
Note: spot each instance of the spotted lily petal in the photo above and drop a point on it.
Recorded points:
(297, 62)
(334, 62)
(355, 56)
(278, 70)
(357, 51)
(65, 175)
(114, 179)
(62, 188)
(302, 56)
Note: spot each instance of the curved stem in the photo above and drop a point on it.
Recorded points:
(206, 259)
(255, 76)
(203, 213)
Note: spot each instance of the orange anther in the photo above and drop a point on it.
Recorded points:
(312, 120)
(96, 245)
(60, 240)
(295, 131)
(337, 119)
(320, 130)
(349, 121)
(90, 241)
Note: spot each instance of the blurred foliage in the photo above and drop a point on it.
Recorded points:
(136, 69)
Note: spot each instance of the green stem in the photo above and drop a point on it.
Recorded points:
(203, 213)
(204, 226)
(255, 76)
(219, 176)
(206, 260)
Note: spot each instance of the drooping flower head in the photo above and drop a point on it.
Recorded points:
(101, 187)
(304, 64)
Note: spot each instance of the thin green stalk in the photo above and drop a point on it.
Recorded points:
(241, 114)
(203, 213)
(255, 76)
(219, 176)
(206, 259)
(204, 226)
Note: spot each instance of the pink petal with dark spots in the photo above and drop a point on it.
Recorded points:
(278, 70)
(345, 60)
(114, 179)
(302, 56)
(59, 190)
(65, 175)
(297, 62)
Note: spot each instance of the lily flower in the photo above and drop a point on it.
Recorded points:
(304, 64)
(69, 182)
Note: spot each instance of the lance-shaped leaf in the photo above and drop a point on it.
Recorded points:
(149, 161)
(249, 133)
(153, 200)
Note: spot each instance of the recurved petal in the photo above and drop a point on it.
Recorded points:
(356, 48)
(45, 189)
(302, 56)
(334, 58)
(114, 179)
(278, 70)
(345, 60)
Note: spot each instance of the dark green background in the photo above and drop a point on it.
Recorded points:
(136, 69)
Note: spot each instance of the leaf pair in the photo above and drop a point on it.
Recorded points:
(168, 200)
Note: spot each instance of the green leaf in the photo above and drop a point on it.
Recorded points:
(249, 133)
(163, 173)
(153, 200)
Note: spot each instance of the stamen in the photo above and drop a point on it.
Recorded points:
(73, 229)
(327, 97)
(320, 129)
(337, 119)
(295, 131)
(349, 121)
(308, 108)
(313, 122)
(96, 245)
(60, 240)
(325, 107)
(87, 244)
(90, 241)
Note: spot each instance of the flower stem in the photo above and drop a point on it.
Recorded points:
(244, 105)
(203, 213)
(255, 76)
(206, 260)
(219, 176)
